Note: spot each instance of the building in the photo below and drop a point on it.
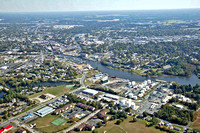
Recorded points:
(178, 106)
(66, 107)
(113, 97)
(44, 96)
(44, 111)
(84, 106)
(5, 129)
(81, 127)
(21, 131)
(84, 126)
(98, 75)
(104, 80)
(28, 116)
(102, 115)
(90, 92)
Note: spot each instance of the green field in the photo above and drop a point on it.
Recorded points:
(126, 127)
(57, 91)
(58, 121)
(196, 123)
(45, 125)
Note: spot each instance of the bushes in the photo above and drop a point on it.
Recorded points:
(175, 115)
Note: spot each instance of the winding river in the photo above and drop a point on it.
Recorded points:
(193, 80)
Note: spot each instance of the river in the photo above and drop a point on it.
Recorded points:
(193, 80)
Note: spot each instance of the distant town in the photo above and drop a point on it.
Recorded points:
(58, 73)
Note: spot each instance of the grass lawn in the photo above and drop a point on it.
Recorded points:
(127, 127)
(86, 82)
(140, 72)
(91, 73)
(57, 91)
(196, 123)
(116, 129)
(44, 124)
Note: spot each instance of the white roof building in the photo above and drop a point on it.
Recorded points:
(44, 111)
(90, 92)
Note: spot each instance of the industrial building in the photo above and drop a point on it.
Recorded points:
(104, 80)
(44, 111)
(113, 97)
(90, 92)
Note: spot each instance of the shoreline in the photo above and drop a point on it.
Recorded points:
(132, 72)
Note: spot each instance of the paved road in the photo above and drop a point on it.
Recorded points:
(81, 82)
(82, 121)
(184, 127)
(40, 105)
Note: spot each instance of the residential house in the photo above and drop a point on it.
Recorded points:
(90, 108)
(62, 109)
(21, 131)
(102, 115)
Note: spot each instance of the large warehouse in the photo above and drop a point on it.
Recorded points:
(90, 92)
(44, 111)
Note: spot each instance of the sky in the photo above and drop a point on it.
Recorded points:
(93, 5)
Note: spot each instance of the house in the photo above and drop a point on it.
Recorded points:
(44, 96)
(177, 129)
(33, 125)
(21, 131)
(161, 123)
(62, 109)
(90, 127)
(90, 108)
(86, 127)
(81, 127)
(102, 115)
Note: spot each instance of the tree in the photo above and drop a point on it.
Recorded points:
(94, 131)
(118, 122)
(145, 114)
(100, 124)
(134, 119)
(155, 120)
(105, 120)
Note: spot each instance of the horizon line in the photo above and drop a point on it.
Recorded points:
(100, 10)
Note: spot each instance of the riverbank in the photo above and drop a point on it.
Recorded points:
(193, 80)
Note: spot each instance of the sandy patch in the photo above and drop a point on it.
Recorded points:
(50, 96)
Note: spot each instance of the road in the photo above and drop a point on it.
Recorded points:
(82, 121)
(184, 127)
(81, 82)
(40, 105)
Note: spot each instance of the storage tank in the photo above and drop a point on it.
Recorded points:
(135, 97)
(148, 81)
(145, 82)
(128, 103)
(133, 105)
(130, 95)
(142, 91)
(147, 87)
(140, 95)
(133, 83)
(122, 102)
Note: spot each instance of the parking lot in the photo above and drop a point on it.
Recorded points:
(75, 112)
